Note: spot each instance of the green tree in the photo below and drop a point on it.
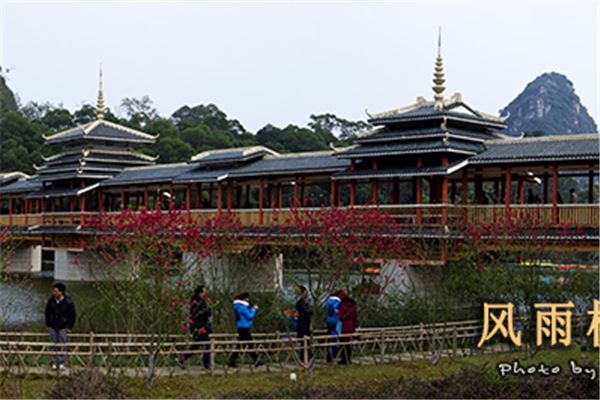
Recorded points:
(172, 149)
(330, 126)
(58, 119)
(20, 142)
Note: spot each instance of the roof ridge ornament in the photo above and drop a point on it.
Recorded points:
(100, 101)
(438, 76)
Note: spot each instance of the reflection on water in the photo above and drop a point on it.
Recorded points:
(22, 304)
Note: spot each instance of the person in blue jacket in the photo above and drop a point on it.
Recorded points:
(333, 322)
(244, 319)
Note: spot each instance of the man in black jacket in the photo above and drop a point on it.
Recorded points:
(200, 326)
(60, 318)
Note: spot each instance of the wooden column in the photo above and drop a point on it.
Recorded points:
(546, 187)
(261, 200)
(146, 197)
(352, 193)
(445, 192)
(82, 206)
(591, 186)
(43, 210)
(219, 198)
(507, 194)
(555, 194)
(419, 199)
(374, 191)
(52, 209)
(71, 209)
(419, 192)
(229, 195)
(26, 211)
(155, 196)
(296, 194)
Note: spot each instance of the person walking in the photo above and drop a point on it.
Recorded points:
(332, 321)
(572, 196)
(60, 318)
(200, 326)
(304, 308)
(244, 319)
(348, 315)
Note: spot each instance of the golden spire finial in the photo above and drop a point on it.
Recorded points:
(438, 75)
(100, 101)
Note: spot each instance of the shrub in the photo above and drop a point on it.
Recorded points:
(88, 384)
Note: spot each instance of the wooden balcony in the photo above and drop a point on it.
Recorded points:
(583, 215)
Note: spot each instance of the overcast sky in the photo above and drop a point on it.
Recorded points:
(279, 62)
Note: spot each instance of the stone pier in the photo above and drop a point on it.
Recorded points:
(27, 258)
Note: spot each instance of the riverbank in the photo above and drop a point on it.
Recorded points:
(476, 376)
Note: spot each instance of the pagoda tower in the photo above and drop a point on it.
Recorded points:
(89, 153)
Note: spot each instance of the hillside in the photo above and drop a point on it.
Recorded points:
(549, 104)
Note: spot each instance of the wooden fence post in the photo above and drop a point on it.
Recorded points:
(305, 350)
(454, 342)
(212, 356)
(92, 350)
(382, 347)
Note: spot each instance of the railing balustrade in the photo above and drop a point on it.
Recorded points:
(431, 214)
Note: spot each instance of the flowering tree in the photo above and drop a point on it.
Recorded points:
(147, 263)
(345, 248)
(10, 282)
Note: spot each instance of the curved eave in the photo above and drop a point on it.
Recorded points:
(400, 138)
(105, 139)
(405, 152)
(314, 171)
(426, 117)
(505, 160)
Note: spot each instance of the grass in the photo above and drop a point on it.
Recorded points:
(219, 386)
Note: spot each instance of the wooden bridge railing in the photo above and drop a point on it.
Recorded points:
(585, 215)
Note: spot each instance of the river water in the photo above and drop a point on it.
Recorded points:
(22, 304)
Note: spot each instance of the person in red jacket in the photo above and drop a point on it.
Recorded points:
(348, 315)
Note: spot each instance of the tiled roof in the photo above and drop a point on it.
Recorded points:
(126, 157)
(414, 147)
(232, 155)
(453, 109)
(405, 172)
(202, 175)
(101, 130)
(388, 135)
(151, 174)
(7, 177)
(547, 148)
(317, 162)
(60, 192)
(21, 186)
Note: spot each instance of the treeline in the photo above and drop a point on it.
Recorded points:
(188, 131)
